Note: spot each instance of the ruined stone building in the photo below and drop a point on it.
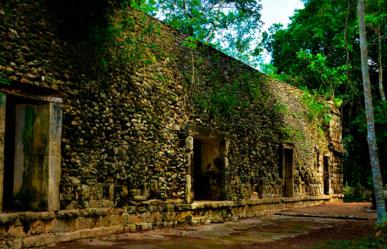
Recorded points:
(117, 125)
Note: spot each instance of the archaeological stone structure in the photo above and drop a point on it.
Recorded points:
(111, 122)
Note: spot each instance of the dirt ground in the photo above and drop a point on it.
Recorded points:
(296, 228)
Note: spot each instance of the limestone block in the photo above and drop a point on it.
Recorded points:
(54, 173)
(189, 143)
(188, 189)
(67, 225)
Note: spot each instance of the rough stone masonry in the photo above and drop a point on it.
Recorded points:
(109, 122)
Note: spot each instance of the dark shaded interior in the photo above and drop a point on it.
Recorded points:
(326, 175)
(9, 153)
(32, 193)
(208, 173)
(288, 172)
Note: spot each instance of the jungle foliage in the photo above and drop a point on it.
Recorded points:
(231, 26)
(319, 50)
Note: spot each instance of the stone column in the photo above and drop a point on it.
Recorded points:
(2, 142)
(54, 153)
(189, 145)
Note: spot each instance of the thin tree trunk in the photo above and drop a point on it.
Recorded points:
(380, 65)
(371, 138)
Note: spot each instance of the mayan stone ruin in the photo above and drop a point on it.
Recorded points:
(132, 130)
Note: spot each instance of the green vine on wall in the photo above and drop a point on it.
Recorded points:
(317, 109)
(228, 100)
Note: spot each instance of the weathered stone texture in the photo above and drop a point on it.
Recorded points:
(133, 106)
(124, 128)
(124, 132)
(2, 133)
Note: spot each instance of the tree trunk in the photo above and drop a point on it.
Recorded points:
(371, 138)
(380, 65)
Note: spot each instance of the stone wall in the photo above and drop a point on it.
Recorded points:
(36, 229)
(135, 97)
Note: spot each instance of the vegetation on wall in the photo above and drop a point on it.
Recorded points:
(319, 51)
(134, 89)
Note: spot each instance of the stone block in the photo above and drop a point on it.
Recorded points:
(54, 174)
(67, 225)
(87, 223)
(189, 143)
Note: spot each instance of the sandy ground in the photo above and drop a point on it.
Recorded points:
(296, 228)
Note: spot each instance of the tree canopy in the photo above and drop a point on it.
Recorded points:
(230, 25)
(319, 50)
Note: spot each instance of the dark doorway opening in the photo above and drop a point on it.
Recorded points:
(9, 153)
(208, 172)
(25, 150)
(287, 171)
(326, 180)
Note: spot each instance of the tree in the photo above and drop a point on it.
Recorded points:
(371, 138)
(377, 21)
(230, 25)
(329, 30)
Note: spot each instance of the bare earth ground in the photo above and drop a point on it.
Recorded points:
(296, 228)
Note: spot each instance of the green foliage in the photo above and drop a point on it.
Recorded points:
(329, 78)
(221, 101)
(319, 50)
(4, 81)
(312, 50)
(292, 134)
(135, 46)
(359, 125)
(228, 99)
(231, 26)
(224, 100)
(356, 193)
(380, 110)
(367, 243)
(190, 42)
(281, 108)
(317, 109)
(147, 6)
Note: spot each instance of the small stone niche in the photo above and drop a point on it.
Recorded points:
(30, 133)
(209, 159)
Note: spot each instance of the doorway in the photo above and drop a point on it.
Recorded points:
(326, 176)
(208, 169)
(25, 154)
(287, 170)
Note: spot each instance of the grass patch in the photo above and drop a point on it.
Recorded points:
(370, 242)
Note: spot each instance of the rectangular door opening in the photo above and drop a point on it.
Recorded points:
(287, 172)
(326, 180)
(208, 169)
(25, 154)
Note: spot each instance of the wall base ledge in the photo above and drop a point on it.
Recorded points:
(34, 229)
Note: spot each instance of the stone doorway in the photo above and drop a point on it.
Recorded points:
(287, 170)
(31, 144)
(208, 168)
(326, 176)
